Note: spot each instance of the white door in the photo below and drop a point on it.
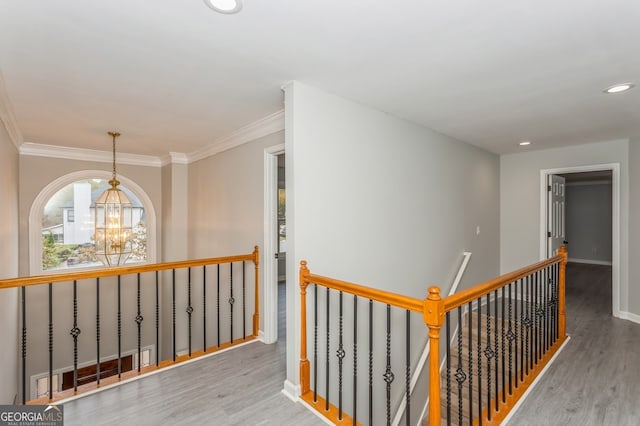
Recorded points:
(555, 214)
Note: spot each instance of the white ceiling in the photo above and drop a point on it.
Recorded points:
(174, 76)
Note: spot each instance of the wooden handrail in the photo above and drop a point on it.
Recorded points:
(126, 270)
(465, 296)
(386, 297)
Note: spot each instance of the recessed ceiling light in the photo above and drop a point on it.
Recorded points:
(617, 88)
(524, 143)
(225, 6)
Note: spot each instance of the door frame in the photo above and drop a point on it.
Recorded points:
(615, 221)
(270, 298)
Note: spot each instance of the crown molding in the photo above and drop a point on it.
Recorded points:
(82, 154)
(174, 158)
(270, 124)
(8, 118)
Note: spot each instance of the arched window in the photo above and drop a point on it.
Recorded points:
(61, 223)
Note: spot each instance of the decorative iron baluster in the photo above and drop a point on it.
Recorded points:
(355, 359)
(326, 404)
(340, 354)
(204, 308)
(50, 341)
(119, 315)
(189, 309)
(488, 353)
(157, 321)
(75, 332)
(388, 374)
(244, 305)
(98, 330)
(479, 350)
(407, 377)
(470, 355)
(495, 347)
(370, 362)
(510, 337)
(518, 331)
(522, 327)
(24, 345)
(448, 358)
(540, 315)
(502, 347)
(315, 343)
(173, 311)
(139, 320)
(218, 302)
(231, 300)
(460, 374)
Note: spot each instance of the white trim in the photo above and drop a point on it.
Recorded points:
(535, 382)
(425, 351)
(270, 323)
(291, 391)
(174, 158)
(151, 373)
(630, 317)
(8, 118)
(265, 126)
(35, 215)
(615, 221)
(590, 261)
(83, 154)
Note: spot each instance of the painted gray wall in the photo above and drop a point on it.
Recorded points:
(9, 262)
(634, 228)
(379, 201)
(520, 231)
(588, 221)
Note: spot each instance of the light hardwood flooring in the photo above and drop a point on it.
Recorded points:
(595, 380)
(238, 387)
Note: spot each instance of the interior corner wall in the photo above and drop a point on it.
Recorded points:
(8, 268)
(520, 231)
(383, 202)
(634, 228)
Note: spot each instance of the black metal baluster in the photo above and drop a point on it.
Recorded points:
(555, 301)
(189, 308)
(407, 377)
(326, 405)
(479, 347)
(204, 308)
(173, 311)
(516, 322)
(244, 305)
(355, 359)
(460, 374)
(75, 332)
(119, 329)
(139, 320)
(470, 355)
(522, 327)
(510, 336)
(340, 354)
(231, 300)
(370, 362)
(502, 347)
(218, 303)
(50, 341)
(315, 343)
(448, 348)
(540, 313)
(98, 331)
(24, 345)
(157, 321)
(529, 338)
(495, 347)
(488, 353)
(388, 374)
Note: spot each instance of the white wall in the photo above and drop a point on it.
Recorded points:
(588, 221)
(379, 201)
(9, 261)
(520, 231)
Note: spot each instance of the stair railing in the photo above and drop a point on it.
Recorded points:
(190, 308)
(508, 329)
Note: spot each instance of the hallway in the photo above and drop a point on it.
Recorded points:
(595, 380)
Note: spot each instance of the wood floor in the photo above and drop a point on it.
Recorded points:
(238, 387)
(595, 380)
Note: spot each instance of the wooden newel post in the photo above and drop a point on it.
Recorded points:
(256, 311)
(562, 325)
(433, 315)
(305, 373)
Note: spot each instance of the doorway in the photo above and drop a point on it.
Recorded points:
(592, 243)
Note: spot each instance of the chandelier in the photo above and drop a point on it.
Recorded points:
(113, 221)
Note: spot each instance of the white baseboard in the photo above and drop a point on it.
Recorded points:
(291, 391)
(535, 382)
(629, 317)
(590, 261)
